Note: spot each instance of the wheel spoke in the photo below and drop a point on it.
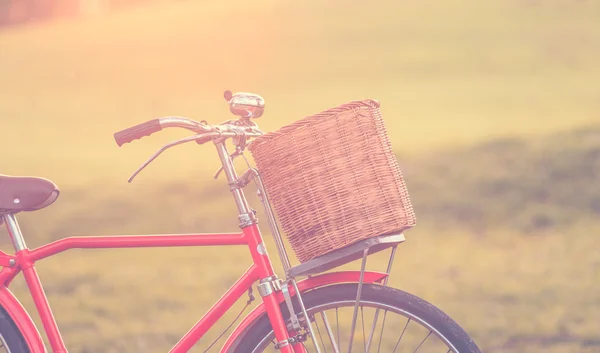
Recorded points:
(381, 334)
(329, 333)
(402, 334)
(420, 344)
(321, 337)
(362, 320)
(372, 331)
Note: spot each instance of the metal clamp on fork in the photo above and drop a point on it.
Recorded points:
(288, 301)
(269, 285)
(273, 284)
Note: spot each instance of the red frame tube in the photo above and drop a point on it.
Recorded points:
(136, 241)
(24, 260)
(217, 311)
(22, 320)
(43, 307)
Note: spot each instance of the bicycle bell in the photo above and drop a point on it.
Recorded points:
(244, 104)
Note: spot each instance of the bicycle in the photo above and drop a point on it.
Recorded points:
(294, 316)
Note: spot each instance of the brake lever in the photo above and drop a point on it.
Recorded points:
(161, 150)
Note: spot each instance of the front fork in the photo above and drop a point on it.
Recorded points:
(288, 338)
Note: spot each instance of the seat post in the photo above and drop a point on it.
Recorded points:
(14, 231)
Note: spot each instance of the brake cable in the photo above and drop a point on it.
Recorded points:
(240, 140)
(251, 298)
(164, 148)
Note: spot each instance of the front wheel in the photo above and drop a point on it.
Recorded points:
(387, 320)
(11, 339)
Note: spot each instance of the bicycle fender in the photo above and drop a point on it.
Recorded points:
(304, 285)
(22, 319)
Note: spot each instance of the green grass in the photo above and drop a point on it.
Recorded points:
(479, 98)
(520, 184)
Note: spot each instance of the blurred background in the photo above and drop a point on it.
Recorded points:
(493, 108)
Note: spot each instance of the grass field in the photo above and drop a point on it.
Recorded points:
(493, 108)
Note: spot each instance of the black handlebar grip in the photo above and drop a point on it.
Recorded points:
(137, 132)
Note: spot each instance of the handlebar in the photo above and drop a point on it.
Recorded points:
(156, 125)
(204, 133)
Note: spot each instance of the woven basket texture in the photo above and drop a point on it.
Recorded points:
(333, 179)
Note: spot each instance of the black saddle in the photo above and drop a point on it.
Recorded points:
(25, 194)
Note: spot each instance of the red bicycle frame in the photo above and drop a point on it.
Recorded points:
(24, 260)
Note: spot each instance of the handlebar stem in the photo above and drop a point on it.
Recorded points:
(245, 216)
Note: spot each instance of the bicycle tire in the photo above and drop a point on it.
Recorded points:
(406, 302)
(11, 338)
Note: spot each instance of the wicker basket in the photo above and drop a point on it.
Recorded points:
(332, 179)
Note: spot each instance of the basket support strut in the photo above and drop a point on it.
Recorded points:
(385, 280)
(358, 293)
(262, 195)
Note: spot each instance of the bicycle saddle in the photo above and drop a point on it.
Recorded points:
(25, 193)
